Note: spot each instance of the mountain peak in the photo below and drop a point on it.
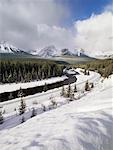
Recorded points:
(5, 47)
(66, 51)
(49, 51)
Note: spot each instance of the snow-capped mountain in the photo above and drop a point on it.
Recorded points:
(49, 51)
(66, 51)
(80, 52)
(10, 49)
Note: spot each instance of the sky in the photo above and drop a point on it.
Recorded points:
(72, 24)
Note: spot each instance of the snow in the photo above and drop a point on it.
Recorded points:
(16, 86)
(7, 48)
(84, 124)
(47, 52)
(10, 105)
(70, 71)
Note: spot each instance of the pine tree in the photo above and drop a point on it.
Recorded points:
(20, 93)
(69, 91)
(92, 85)
(14, 76)
(10, 78)
(3, 79)
(34, 74)
(6, 76)
(22, 102)
(33, 112)
(1, 118)
(88, 73)
(87, 86)
(29, 77)
(23, 119)
(22, 107)
(43, 107)
(19, 75)
(85, 72)
(75, 88)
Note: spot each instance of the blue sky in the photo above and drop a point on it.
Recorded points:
(83, 9)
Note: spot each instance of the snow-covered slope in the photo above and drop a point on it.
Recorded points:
(47, 52)
(8, 48)
(84, 124)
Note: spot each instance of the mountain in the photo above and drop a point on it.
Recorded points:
(49, 51)
(66, 52)
(80, 53)
(6, 48)
(76, 52)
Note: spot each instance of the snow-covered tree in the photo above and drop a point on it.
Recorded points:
(33, 112)
(87, 88)
(1, 118)
(92, 85)
(43, 107)
(22, 102)
(71, 97)
(23, 119)
(85, 72)
(22, 107)
(88, 73)
(69, 91)
(75, 88)
(20, 93)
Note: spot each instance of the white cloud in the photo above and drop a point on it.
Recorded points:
(109, 7)
(19, 19)
(95, 34)
(53, 35)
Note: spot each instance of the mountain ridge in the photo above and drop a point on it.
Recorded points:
(6, 48)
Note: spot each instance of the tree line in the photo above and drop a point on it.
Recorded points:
(104, 67)
(26, 71)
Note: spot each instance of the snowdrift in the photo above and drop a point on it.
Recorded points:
(85, 124)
